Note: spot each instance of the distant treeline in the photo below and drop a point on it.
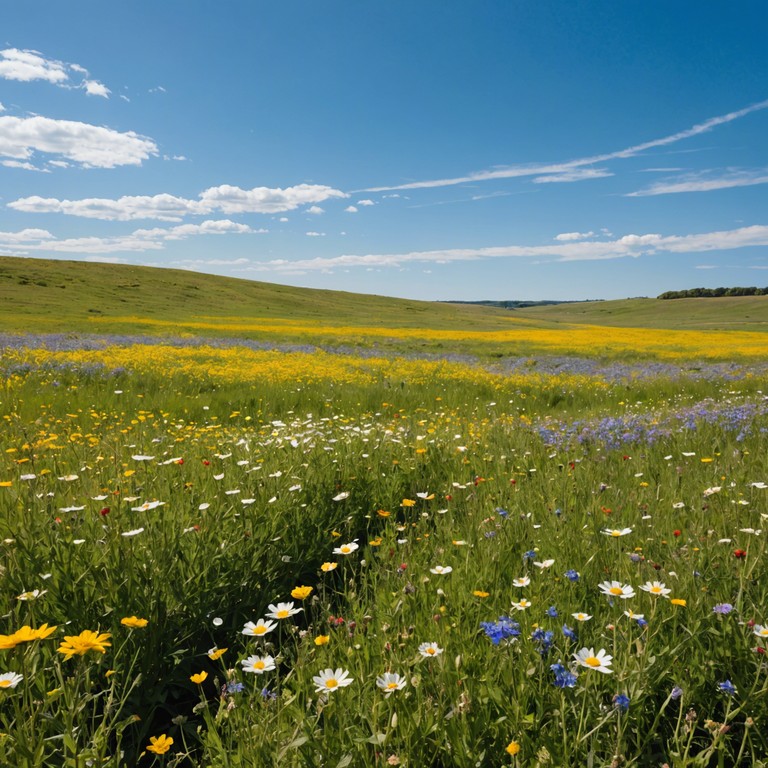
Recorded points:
(512, 304)
(695, 293)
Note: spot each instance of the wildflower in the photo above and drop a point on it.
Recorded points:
(10, 679)
(199, 677)
(31, 595)
(529, 555)
(512, 748)
(159, 744)
(134, 532)
(760, 630)
(522, 581)
(569, 633)
(480, 593)
(235, 687)
(428, 650)
(544, 639)
(25, 635)
(260, 628)
(214, 654)
(390, 682)
(632, 615)
(301, 593)
(722, 608)
(522, 605)
(739, 554)
(727, 687)
(616, 532)
(655, 588)
(503, 629)
(258, 664)
(346, 549)
(616, 589)
(383, 513)
(331, 679)
(79, 645)
(441, 569)
(621, 701)
(322, 639)
(600, 662)
(408, 503)
(326, 567)
(581, 616)
(572, 575)
(676, 693)
(563, 677)
(282, 611)
(544, 564)
(133, 621)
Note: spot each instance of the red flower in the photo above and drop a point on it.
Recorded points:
(676, 532)
(104, 512)
(739, 554)
(206, 463)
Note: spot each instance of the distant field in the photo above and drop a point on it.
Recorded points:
(39, 296)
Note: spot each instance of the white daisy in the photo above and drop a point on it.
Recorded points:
(10, 679)
(655, 588)
(260, 628)
(599, 661)
(258, 664)
(331, 679)
(282, 611)
(428, 650)
(616, 589)
(390, 682)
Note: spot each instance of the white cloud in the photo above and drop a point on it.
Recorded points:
(91, 146)
(23, 165)
(517, 171)
(590, 250)
(157, 89)
(350, 209)
(164, 207)
(368, 202)
(40, 240)
(315, 234)
(26, 66)
(578, 174)
(705, 182)
(568, 236)
(316, 210)
(2, 108)
(95, 88)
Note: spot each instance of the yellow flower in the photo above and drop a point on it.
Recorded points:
(86, 641)
(322, 639)
(513, 748)
(375, 542)
(133, 621)
(159, 744)
(325, 567)
(216, 653)
(480, 593)
(25, 635)
(199, 677)
(678, 601)
(383, 513)
(408, 503)
(301, 593)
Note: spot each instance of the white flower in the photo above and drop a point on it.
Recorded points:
(441, 569)
(545, 564)
(710, 491)
(390, 682)
(599, 662)
(428, 650)
(632, 615)
(282, 611)
(258, 664)
(616, 532)
(760, 630)
(346, 549)
(147, 505)
(616, 589)
(522, 581)
(10, 679)
(260, 628)
(655, 588)
(522, 605)
(341, 496)
(142, 457)
(331, 679)
(134, 532)
(581, 616)
(32, 595)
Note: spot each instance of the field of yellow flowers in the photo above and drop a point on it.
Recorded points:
(226, 555)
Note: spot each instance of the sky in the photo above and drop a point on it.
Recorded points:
(437, 150)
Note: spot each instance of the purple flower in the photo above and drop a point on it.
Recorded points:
(676, 693)
(723, 608)
(727, 687)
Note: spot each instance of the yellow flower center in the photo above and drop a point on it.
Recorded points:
(615, 533)
(391, 686)
(258, 665)
(655, 590)
(260, 630)
(616, 591)
(283, 614)
(331, 683)
(431, 651)
(345, 549)
(5, 683)
(592, 661)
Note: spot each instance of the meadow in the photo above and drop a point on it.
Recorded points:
(250, 552)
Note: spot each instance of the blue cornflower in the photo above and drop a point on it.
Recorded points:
(634, 557)
(727, 687)
(558, 511)
(235, 687)
(501, 512)
(503, 629)
(268, 695)
(489, 534)
(572, 575)
(569, 633)
(529, 555)
(544, 639)
(563, 677)
(723, 608)
(621, 701)
(642, 623)
(552, 612)
(676, 693)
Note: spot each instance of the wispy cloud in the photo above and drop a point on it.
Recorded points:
(517, 171)
(225, 199)
(566, 237)
(90, 146)
(578, 174)
(588, 250)
(705, 181)
(28, 65)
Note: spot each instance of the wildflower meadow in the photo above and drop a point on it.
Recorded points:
(224, 555)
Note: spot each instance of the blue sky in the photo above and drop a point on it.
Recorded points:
(493, 149)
